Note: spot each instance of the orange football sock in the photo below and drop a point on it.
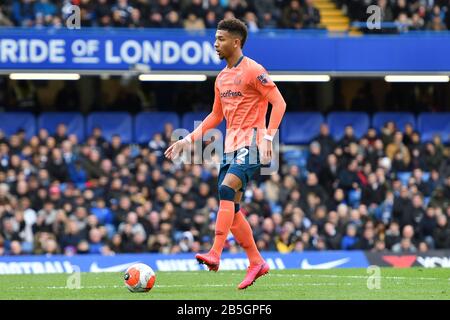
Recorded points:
(224, 221)
(243, 233)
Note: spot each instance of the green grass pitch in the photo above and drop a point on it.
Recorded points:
(341, 284)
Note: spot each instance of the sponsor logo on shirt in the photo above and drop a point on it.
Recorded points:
(230, 94)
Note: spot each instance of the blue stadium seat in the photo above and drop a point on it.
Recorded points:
(300, 127)
(399, 118)
(146, 124)
(11, 122)
(297, 157)
(404, 177)
(430, 124)
(189, 118)
(73, 120)
(111, 123)
(337, 121)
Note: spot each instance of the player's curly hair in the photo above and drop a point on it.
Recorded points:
(234, 26)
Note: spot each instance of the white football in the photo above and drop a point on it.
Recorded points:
(139, 278)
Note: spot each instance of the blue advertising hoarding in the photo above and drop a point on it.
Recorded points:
(180, 50)
(179, 262)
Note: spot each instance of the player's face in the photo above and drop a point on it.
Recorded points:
(225, 44)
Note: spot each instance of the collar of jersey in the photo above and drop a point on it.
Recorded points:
(238, 62)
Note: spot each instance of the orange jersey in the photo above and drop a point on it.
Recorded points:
(242, 93)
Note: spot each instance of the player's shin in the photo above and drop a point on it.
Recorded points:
(243, 233)
(224, 222)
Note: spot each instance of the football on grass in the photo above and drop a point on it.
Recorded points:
(139, 278)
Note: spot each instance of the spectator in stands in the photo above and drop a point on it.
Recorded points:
(121, 13)
(103, 13)
(292, 16)
(216, 7)
(433, 157)
(252, 21)
(403, 22)
(15, 248)
(267, 13)
(311, 15)
(441, 234)
(211, 20)
(373, 193)
(350, 240)
(193, 22)
(24, 12)
(238, 7)
(386, 11)
(326, 142)
(195, 7)
(348, 177)
(387, 133)
(398, 151)
(172, 20)
(87, 13)
(5, 21)
(405, 246)
(348, 138)
(417, 23)
(401, 7)
(315, 159)
(136, 19)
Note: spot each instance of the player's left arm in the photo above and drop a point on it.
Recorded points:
(278, 109)
(267, 88)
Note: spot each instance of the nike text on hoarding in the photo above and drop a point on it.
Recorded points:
(35, 267)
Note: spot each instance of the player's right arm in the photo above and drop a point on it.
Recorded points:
(213, 119)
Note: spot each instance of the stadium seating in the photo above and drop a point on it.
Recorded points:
(300, 127)
(297, 127)
(399, 118)
(73, 120)
(111, 123)
(11, 122)
(337, 122)
(404, 177)
(148, 123)
(298, 157)
(189, 118)
(430, 124)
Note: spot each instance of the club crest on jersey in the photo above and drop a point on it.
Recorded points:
(238, 79)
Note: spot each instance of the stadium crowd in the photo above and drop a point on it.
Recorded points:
(188, 14)
(200, 14)
(60, 196)
(414, 15)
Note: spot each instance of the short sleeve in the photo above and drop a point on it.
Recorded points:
(262, 82)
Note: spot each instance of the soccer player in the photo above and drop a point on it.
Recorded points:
(242, 92)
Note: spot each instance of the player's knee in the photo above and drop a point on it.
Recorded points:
(219, 233)
(226, 193)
